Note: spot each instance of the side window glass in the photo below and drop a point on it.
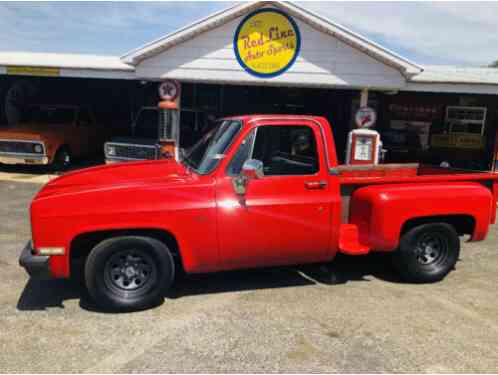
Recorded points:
(286, 150)
(241, 155)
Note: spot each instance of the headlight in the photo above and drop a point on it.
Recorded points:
(111, 150)
(38, 149)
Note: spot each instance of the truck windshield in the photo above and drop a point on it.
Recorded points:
(205, 155)
(146, 125)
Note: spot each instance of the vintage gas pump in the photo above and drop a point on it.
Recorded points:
(364, 145)
(169, 120)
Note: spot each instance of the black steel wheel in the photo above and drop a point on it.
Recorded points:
(129, 273)
(427, 253)
(432, 248)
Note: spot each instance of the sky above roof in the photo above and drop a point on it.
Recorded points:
(460, 33)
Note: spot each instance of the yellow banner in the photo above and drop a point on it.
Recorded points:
(33, 71)
(468, 141)
(267, 43)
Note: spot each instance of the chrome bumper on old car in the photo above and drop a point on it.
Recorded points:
(6, 158)
(13, 151)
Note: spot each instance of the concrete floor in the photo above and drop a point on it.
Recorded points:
(275, 320)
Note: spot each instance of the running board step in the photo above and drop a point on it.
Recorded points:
(349, 241)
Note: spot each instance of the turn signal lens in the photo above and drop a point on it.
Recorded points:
(51, 251)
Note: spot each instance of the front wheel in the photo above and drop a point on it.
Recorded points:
(62, 159)
(129, 273)
(427, 253)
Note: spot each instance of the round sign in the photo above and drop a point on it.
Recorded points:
(267, 42)
(169, 90)
(365, 117)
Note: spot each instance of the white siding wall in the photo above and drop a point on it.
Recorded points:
(323, 61)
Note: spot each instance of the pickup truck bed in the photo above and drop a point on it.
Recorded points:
(405, 173)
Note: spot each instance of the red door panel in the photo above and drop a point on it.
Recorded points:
(285, 216)
(280, 221)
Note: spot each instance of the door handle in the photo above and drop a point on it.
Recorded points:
(315, 185)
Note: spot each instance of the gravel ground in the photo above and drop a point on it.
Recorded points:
(354, 316)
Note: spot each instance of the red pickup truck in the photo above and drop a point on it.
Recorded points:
(259, 190)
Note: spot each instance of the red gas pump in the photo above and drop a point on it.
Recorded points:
(364, 145)
(169, 119)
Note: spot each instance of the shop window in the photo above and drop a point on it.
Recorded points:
(470, 120)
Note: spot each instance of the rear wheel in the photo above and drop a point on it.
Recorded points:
(427, 253)
(129, 273)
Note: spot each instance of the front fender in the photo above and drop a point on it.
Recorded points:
(380, 211)
(186, 212)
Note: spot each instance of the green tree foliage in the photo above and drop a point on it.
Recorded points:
(494, 64)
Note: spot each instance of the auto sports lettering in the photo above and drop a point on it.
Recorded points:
(267, 42)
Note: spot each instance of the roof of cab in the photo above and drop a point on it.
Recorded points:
(272, 117)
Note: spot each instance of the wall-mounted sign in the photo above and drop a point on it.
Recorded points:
(465, 141)
(33, 71)
(169, 90)
(267, 42)
(365, 117)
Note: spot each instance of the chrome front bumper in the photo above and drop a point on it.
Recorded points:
(23, 159)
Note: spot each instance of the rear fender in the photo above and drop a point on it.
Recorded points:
(381, 211)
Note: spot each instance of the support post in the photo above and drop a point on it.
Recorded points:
(364, 98)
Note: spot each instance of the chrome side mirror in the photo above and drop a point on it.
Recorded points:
(252, 169)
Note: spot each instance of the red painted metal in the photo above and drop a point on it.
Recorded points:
(280, 220)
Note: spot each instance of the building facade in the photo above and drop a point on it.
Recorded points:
(276, 57)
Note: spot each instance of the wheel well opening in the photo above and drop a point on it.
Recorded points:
(463, 224)
(82, 245)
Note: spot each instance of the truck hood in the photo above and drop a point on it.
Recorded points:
(35, 132)
(115, 176)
